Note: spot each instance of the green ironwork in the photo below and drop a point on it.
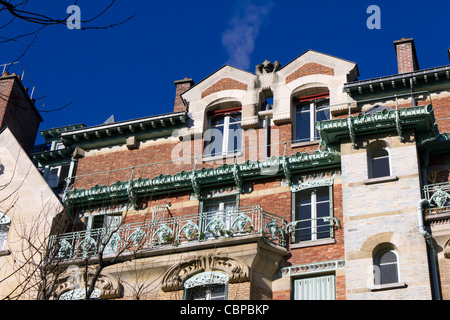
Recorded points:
(438, 195)
(156, 234)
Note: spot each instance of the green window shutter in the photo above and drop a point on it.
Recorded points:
(319, 288)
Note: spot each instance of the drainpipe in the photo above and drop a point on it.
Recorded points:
(431, 252)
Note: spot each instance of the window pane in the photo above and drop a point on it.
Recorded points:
(234, 138)
(303, 124)
(217, 120)
(303, 212)
(388, 257)
(214, 141)
(389, 273)
(321, 115)
(380, 167)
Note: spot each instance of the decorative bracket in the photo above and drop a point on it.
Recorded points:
(351, 131)
(237, 177)
(286, 170)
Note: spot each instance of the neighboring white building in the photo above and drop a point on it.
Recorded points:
(28, 207)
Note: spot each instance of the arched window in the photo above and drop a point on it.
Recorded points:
(5, 223)
(379, 163)
(309, 110)
(224, 134)
(206, 286)
(386, 267)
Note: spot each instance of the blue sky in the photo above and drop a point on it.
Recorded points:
(129, 70)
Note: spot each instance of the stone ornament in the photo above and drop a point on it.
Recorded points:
(176, 277)
(71, 285)
(440, 198)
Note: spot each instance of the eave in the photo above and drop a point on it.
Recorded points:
(117, 133)
(52, 157)
(55, 133)
(196, 180)
(398, 82)
(420, 118)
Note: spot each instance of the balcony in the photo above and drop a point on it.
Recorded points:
(174, 232)
(438, 195)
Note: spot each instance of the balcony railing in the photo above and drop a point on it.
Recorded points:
(312, 229)
(175, 231)
(438, 196)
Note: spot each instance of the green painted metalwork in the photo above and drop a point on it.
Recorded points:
(173, 231)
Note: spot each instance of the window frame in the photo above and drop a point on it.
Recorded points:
(313, 110)
(376, 265)
(203, 215)
(225, 135)
(313, 196)
(370, 164)
(212, 281)
(4, 221)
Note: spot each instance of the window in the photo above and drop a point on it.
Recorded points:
(5, 223)
(217, 215)
(317, 288)
(206, 286)
(313, 211)
(379, 163)
(224, 135)
(57, 176)
(102, 226)
(386, 267)
(308, 111)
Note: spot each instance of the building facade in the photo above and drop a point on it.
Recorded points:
(292, 182)
(28, 206)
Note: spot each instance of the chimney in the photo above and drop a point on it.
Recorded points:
(181, 87)
(406, 55)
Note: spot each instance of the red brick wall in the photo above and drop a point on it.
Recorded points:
(181, 87)
(18, 113)
(405, 57)
(309, 69)
(224, 84)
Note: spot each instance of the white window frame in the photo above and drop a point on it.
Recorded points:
(204, 279)
(221, 211)
(369, 160)
(312, 120)
(313, 197)
(225, 137)
(4, 221)
(376, 265)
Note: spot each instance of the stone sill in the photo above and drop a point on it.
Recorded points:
(312, 243)
(388, 286)
(380, 180)
(222, 157)
(304, 144)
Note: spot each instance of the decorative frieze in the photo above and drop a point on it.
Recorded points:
(317, 267)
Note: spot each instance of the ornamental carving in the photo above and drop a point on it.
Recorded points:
(235, 269)
(440, 198)
(71, 285)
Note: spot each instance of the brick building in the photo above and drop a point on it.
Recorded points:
(293, 182)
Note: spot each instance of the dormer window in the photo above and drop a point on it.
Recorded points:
(309, 110)
(224, 134)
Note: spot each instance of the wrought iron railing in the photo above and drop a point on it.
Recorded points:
(175, 231)
(312, 229)
(438, 195)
